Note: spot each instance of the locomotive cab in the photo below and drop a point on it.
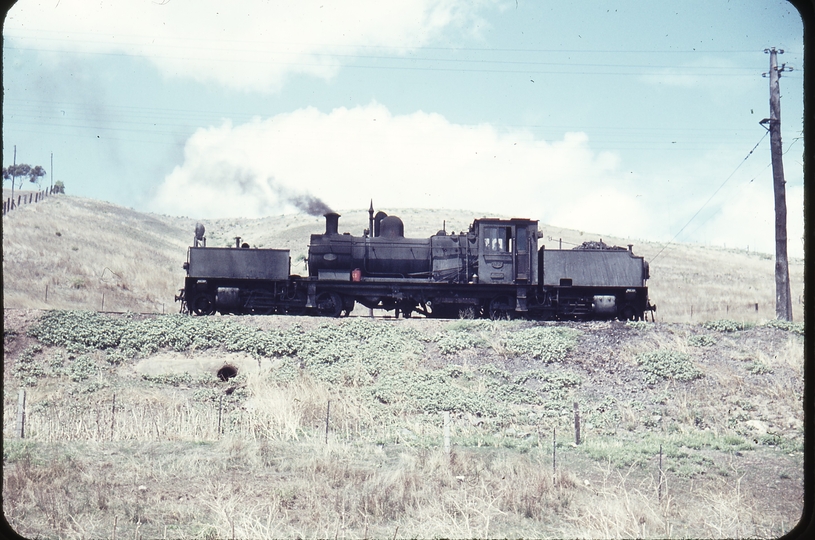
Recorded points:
(504, 250)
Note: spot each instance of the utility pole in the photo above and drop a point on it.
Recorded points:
(52, 170)
(783, 302)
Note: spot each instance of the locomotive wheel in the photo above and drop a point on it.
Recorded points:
(204, 305)
(500, 308)
(329, 304)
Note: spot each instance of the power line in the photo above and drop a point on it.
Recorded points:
(210, 40)
(711, 216)
(534, 67)
(710, 198)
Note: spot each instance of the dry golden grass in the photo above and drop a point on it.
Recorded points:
(134, 259)
(82, 249)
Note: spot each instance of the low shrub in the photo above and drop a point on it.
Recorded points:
(26, 368)
(451, 342)
(704, 340)
(549, 344)
(667, 365)
(789, 326)
(725, 325)
(82, 368)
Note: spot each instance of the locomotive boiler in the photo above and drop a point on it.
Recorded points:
(494, 269)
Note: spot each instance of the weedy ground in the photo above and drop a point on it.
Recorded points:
(336, 428)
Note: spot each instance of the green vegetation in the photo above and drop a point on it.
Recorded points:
(639, 325)
(26, 368)
(547, 343)
(704, 340)
(789, 326)
(667, 365)
(681, 451)
(724, 325)
(459, 337)
(758, 368)
(344, 419)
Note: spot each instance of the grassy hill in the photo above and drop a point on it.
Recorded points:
(83, 250)
(167, 426)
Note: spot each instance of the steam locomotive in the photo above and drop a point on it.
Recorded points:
(494, 270)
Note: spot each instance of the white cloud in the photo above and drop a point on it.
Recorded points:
(248, 44)
(746, 220)
(349, 156)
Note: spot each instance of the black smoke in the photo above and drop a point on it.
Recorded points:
(309, 204)
(305, 202)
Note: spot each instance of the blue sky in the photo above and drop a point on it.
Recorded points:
(616, 118)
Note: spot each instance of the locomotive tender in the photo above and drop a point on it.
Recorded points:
(494, 269)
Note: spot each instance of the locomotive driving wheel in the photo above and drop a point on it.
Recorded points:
(329, 304)
(501, 308)
(204, 305)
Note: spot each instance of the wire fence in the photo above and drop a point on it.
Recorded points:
(27, 198)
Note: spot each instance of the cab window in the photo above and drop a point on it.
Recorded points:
(498, 239)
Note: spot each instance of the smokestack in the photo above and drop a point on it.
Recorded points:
(332, 223)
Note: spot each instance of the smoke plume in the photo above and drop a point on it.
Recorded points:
(310, 204)
(305, 202)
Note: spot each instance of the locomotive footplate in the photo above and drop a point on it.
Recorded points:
(430, 299)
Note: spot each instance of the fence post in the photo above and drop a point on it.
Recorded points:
(576, 424)
(21, 413)
(661, 475)
(554, 453)
(220, 408)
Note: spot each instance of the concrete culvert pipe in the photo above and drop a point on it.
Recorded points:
(227, 372)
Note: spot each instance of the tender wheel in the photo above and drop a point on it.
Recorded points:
(329, 304)
(501, 308)
(627, 313)
(204, 305)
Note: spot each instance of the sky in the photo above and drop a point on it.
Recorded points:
(632, 119)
